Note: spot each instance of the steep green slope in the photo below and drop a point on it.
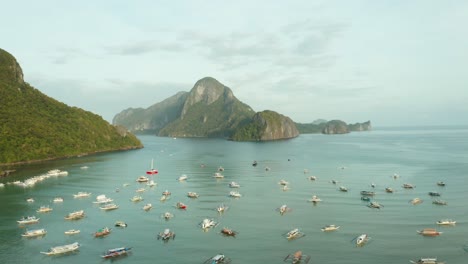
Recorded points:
(34, 126)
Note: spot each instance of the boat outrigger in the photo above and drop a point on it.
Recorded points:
(62, 249)
(116, 252)
(208, 223)
(294, 234)
(297, 257)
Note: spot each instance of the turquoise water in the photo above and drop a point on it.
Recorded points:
(420, 156)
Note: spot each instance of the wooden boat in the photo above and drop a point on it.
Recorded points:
(142, 179)
(297, 257)
(28, 220)
(102, 232)
(44, 209)
(62, 249)
(34, 233)
(109, 207)
(361, 240)
(446, 222)
(429, 232)
(329, 228)
(427, 261)
(147, 207)
(72, 232)
(416, 201)
(116, 252)
(228, 232)
(75, 215)
(192, 194)
(181, 205)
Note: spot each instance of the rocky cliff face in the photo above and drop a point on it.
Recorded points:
(10, 68)
(366, 126)
(335, 127)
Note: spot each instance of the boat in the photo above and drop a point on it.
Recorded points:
(81, 195)
(220, 168)
(312, 178)
(235, 194)
(361, 240)
(315, 199)
(283, 209)
(408, 186)
(152, 171)
(375, 205)
(343, 189)
(429, 232)
(28, 220)
(334, 181)
(167, 215)
(329, 228)
(163, 198)
(120, 224)
(285, 188)
(166, 192)
(218, 259)
(192, 194)
(416, 201)
(116, 252)
(100, 199)
(221, 208)
(62, 249)
(182, 177)
(389, 190)
(439, 202)
(72, 232)
(44, 209)
(365, 198)
(181, 205)
(166, 235)
(109, 207)
(57, 172)
(373, 185)
(234, 185)
(208, 223)
(218, 175)
(30, 200)
(434, 194)
(367, 193)
(102, 232)
(136, 198)
(254, 163)
(441, 183)
(297, 257)
(446, 222)
(283, 182)
(34, 233)
(427, 261)
(84, 167)
(293, 234)
(151, 183)
(75, 215)
(142, 179)
(228, 232)
(147, 207)
(58, 200)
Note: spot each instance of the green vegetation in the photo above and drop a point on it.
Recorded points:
(250, 132)
(34, 126)
(310, 128)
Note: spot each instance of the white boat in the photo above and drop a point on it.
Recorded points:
(166, 234)
(72, 232)
(182, 177)
(375, 205)
(329, 228)
(136, 198)
(427, 261)
(234, 194)
(101, 199)
(58, 200)
(312, 178)
(192, 194)
(28, 220)
(361, 240)
(34, 233)
(84, 167)
(44, 209)
(389, 190)
(218, 175)
(2, 185)
(109, 206)
(315, 199)
(163, 198)
(283, 182)
(30, 200)
(75, 215)
(167, 215)
(221, 208)
(208, 223)
(283, 209)
(218, 259)
(62, 249)
(220, 168)
(147, 207)
(82, 195)
(142, 179)
(416, 201)
(446, 222)
(234, 185)
(408, 186)
(343, 189)
(120, 224)
(140, 190)
(293, 234)
(151, 183)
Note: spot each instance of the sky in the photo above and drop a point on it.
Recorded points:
(394, 62)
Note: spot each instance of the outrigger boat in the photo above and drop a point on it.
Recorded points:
(142, 179)
(81, 195)
(120, 224)
(109, 207)
(434, 194)
(44, 209)
(167, 215)
(416, 201)
(235, 194)
(75, 215)
(221, 208)
(429, 232)
(34, 233)
(166, 235)
(147, 207)
(294, 234)
(228, 232)
(375, 205)
(439, 202)
(283, 209)
(446, 222)
(234, 185)
(218, 259)
(28, 220)
(218, 175)
(72, 232)
(192, 194)
(315, 199)
(389, 190)
(208, 223)
(427, 261)
(102, 232)
(62, 249)
(367, 193)
(182, 177)
(136, 198)
(181, 205)
(297, 257)
(329, 228)
(361, 240)
(116, 252)
(408, 186)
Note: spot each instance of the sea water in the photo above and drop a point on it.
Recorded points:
(420, 156)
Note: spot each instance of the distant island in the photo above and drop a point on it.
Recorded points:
(35, 127)
(210, 109)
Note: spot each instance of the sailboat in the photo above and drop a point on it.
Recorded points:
(152, 171)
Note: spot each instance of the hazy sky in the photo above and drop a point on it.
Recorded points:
(392, 62)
